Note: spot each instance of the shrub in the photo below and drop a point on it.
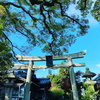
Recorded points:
(56, 93)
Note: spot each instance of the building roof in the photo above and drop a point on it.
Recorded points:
(21, 74)
(97, 78)
(44, 82)
(88, 73)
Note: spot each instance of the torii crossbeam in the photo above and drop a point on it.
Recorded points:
(61, 57)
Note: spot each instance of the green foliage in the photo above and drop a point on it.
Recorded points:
(6, 58)
(45, 23)
(2, 10)
(89, 92)
(2, 13)
(62, 80)
(55, 80)
(51, 77)
(56, 93)
(65, 83)
(96, 10)
(64, 72)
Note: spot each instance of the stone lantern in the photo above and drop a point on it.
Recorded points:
(88, 74)
(9, 85)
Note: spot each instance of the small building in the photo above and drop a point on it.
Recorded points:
(39, 89)
(39, 86)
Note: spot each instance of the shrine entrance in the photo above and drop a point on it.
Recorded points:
(49, 64)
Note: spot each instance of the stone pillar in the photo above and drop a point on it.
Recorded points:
(28, 82)
(73, 83)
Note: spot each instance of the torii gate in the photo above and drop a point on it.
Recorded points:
(69, 64)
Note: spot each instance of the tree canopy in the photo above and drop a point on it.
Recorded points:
(47, 23)
(6, 57)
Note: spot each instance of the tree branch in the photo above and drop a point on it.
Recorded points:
(12, 46)
(4, 35)
(61, 8)
(16, 21)
(44, 21)
(10, 3)
(48, 4)
(45, 3)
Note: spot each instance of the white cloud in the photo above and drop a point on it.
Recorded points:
(98, 65)
(72, 10)
(93, 22)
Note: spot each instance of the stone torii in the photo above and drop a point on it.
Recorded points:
(69, 64)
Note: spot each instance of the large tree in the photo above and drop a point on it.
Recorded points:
(46, 23)
(6, 56)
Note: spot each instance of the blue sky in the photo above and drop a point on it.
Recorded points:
(89, 42)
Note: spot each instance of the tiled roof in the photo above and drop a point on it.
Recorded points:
(43, 81)
(97, 78)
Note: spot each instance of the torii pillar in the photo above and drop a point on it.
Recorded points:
(28, 82)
